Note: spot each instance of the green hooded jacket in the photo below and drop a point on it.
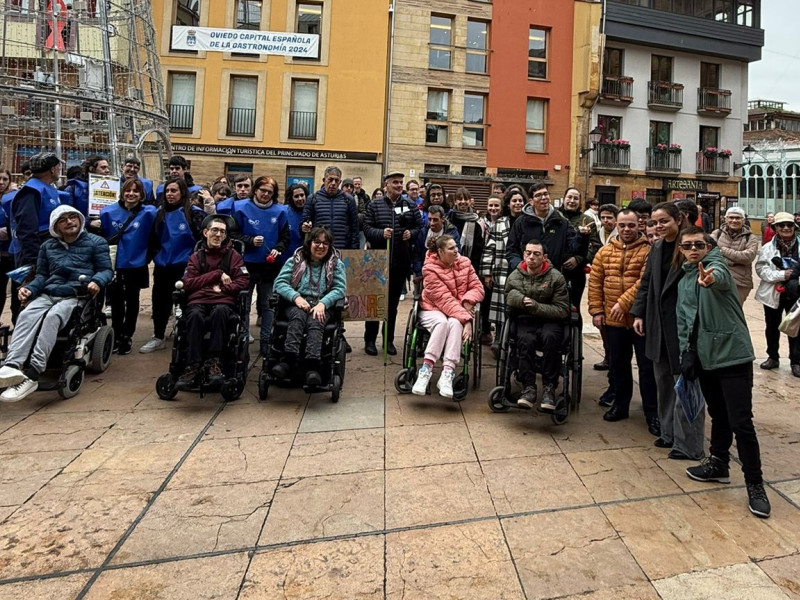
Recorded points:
(723, 339)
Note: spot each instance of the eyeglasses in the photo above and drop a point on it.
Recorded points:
(68, 217)
(322, 243)
(265, 191)
(787, 225)
(216, 231)
(542, 195)
(693, 245)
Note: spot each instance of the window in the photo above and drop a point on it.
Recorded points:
(745, 13)
(309, 20)
(612, 62)
(440, 42)
(661, 68)
(248, 14)
(660, 133)
(303, 116)
(477, 36)
(181, 101)
(474, 111)
(304, 175)
(439, 169)
(723, 11)
(709, 75)
(709, 137)
(436, 127)
(187, 14)
(610, 126)
(234, 169)
(20, 7)
(535, 125)
(242, 106)
(537, 53)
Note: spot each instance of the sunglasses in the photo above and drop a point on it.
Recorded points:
(787, 225)
(692, 245)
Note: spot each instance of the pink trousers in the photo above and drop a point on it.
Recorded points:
(445, 336)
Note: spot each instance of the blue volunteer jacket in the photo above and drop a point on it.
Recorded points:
(133, 240)
(30, 212)
(175, 236)
(271, 222)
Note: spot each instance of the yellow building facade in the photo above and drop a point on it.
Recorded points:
(281, 116)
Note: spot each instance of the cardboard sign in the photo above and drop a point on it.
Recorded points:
(367, 284)
(103, 191)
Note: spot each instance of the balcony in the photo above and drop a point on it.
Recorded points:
(713, 165)
(242, 121)
(663, 161)
(612, 158)
(665, 95)
(303, 125)
(181, 117)
(616, 90)
(712, 102)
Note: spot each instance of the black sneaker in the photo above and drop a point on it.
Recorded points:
(710, 469)
(757, 500)
(188, 377)
(654, 426)
(125, 346)
(313, 379)
(214, 371)
(370, 348)
(607, 398)
(548, 398)
(281, 370)
(528, 397)
(660, 443)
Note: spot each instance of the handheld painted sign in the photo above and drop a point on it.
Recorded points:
(103, 191)
(245, 41)
(367, 284)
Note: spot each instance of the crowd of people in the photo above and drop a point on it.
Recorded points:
(663, 285)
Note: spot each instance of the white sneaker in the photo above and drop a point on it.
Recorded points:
(421, 384)
(445, 384)
(10, 376)
(250, 339)
(152, 345)
(402, 297)
(20, 391)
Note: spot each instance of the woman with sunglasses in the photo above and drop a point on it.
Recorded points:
(264, 229)
(313, 280)
(654, 318)
(778, 266)
(712, 327)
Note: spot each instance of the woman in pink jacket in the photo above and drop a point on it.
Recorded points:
(451, 289)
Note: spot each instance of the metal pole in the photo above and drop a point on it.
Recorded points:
(56, 82)
(112, 117)
(390, 74)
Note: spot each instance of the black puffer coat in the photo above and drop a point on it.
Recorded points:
(561, 239)
(401, 215)
(338, 213)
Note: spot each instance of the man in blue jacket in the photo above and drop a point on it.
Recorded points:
(332, 208)
(130, 170)
(177, 168)
(78, 188)
(50, 298)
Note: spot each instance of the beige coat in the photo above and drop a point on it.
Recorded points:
(739, 250)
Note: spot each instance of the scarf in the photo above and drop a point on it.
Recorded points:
(787, 248)
(300, 266)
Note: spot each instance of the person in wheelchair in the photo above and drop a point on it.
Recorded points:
(51, 297)
(215, 274)
(451, 289)
(539, 297)
(313, 280)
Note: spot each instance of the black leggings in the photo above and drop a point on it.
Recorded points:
(123, 296)
(164, 279)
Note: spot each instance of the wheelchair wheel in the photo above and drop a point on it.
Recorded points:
(73, 380)
(410, 338)
(102, 348)
(460, 387)
(404, 381)
(496, 400)
(576, 378)
(263, 386)
(165, 387)
(336, 388)
(500, 374)
(231, 390)
(560, 415)
(477, 364)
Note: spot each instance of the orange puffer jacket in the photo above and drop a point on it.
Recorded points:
(616, 272)
(446, 288)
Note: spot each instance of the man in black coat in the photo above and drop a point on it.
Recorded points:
(394, 222)
(540, 221)
(332, 208)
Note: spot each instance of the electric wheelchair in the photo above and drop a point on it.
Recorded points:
(235, 357)
(416, 338)
(333, 359)
(85, 343)
(571, 369)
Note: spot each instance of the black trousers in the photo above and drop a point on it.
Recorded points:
(622, 344)
(123, 296)
(772, 318)
(729, 398)
(164, 279)
(547, 338)
(486, 303)
(397, 279)
(577, 284)
(301, 322)
(199, 319)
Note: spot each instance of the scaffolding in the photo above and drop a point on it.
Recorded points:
(81, 77)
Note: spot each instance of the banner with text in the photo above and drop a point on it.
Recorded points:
(367, 284)
(103, 191)
(245, 41)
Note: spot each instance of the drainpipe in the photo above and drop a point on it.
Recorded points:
(389, 75)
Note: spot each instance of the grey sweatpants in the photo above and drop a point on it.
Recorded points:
(52, 313)
(675, 427)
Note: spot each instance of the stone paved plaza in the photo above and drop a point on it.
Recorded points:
(117, 495)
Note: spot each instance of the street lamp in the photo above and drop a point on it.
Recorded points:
(748, 152)
(595, 135)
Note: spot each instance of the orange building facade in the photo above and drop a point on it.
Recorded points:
(530, 91)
